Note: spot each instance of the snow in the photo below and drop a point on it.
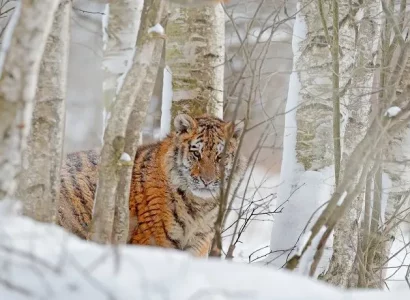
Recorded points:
(342, 198)
(392, 111)
(307, 258)
(258, 194)
(42, 261)
(157, 28)
(301, 192)
(125, 157)
(8, 33)
(302, 242)
(167, 95)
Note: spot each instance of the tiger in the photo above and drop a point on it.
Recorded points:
(175, 185)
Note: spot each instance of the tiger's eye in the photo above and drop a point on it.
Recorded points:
(196, 154)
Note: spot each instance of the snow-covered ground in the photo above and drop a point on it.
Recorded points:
(258, 194)
(42, 261)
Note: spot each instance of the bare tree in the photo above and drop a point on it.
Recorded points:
(122, 20)
(23, 44)
(40, 179)
(316, 99)
(359, 93)
(113, 157)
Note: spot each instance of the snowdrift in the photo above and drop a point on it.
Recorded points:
(42, 261)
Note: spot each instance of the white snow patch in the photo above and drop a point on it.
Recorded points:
(167, 95)
(307, 258)
(125, 157)
(258, 193)
(104, 22)
(302, 242)
(342, 198)
(157, 28)
(392, 111)
(8, 33)
(387, 186)
(46, 262)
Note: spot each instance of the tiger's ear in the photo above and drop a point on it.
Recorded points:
(184, 123)
(237, 127)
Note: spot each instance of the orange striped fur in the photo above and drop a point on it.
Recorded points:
(174, 192)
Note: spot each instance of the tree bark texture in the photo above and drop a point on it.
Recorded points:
(22, 47)
(195, 53)
(114, 136)
(40, 180)
(358, 101)
(132, 138)
(309, 163)
(123, 22)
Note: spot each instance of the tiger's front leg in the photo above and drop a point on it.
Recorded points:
(200, 245)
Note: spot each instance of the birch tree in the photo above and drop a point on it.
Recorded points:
(22, 48)
(113, 157)
(307, 176)
(362, 160)
(195, 54)
(40, 179)
(359, 94)
(121, 20)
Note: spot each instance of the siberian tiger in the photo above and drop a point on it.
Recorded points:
(174, 193)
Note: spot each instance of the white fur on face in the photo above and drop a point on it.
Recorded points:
(205, 193)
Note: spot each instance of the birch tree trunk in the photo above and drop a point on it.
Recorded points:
(132, 138)
(122, 20)
(307, 176)
(22, 47)
(112, 154)
(195, 54)
(395, 190)
(358, 99)
(40, 180)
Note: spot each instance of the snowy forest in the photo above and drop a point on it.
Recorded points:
(205, 149)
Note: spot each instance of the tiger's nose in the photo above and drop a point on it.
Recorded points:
(206, 181)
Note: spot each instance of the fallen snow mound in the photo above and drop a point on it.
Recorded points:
(42, 261)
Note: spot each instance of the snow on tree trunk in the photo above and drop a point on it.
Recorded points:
(22, 49)
(121, 20)
(358, 99)
(195, 54)
(40, 180)
(112, 158)
(307, 176)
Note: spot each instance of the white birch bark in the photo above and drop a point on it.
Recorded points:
(195, 54)
(114, 136)
(396, 188)
(22, 49)
(40, 180)
(122, 20)
(132, 141)
(358, 99)
(307, 176)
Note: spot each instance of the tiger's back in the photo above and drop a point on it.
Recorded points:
(174, 188)
(77, 189)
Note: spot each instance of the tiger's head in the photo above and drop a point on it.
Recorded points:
(199, 157)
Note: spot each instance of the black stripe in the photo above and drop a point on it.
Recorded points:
(78, 164)
(92, 157)
(176, 216)
(174, 242)
(191, 210)
(150, 212)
